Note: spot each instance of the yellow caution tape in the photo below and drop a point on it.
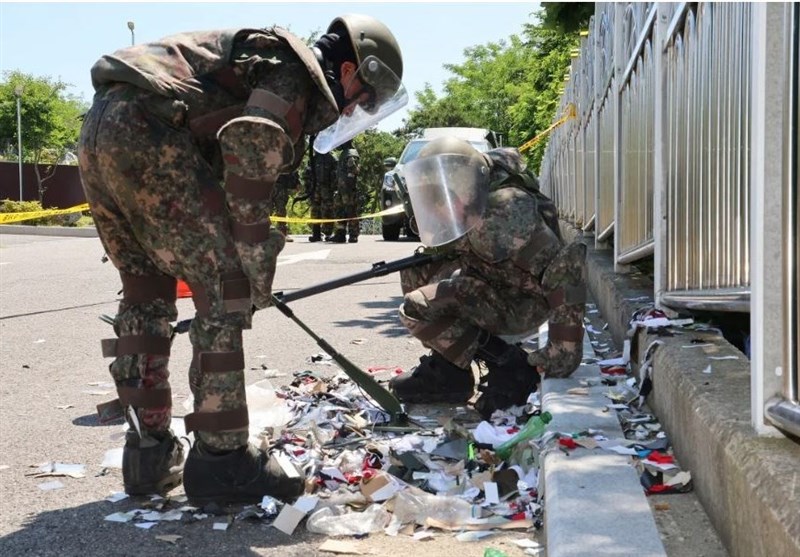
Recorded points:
(390, 211)
(570, 112)
(7, 218)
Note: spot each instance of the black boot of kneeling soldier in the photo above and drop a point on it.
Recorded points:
(511, 379)
(243, 475)
(434, 380)
(316, 233)
(151, 463)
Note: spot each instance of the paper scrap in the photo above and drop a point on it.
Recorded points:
(473, 536)
(49, 486)
(288, 519)
(169, 538)
(116, 497)
(525, 543)
(342, 547)
(61, 469)
(145, 525)
(491, 493)
(221, 526)
(119, 517)
(681, 478)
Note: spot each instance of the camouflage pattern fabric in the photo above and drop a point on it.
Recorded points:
(320, 179)
(153, 171)
(494, 282)
(346, 202)
(286, 185)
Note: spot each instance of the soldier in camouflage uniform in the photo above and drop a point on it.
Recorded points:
(320, 183)
(346, 202)
(178, 157)
(284, 187)
(507, 274)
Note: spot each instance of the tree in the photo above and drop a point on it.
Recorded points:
(373, 147)
(511, 87)
(50, 121)
(566, 17)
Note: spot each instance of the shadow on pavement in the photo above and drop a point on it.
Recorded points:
(83, 531)
(386, 323)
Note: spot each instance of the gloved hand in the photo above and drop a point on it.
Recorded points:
(558, 359)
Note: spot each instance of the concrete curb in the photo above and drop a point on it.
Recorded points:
(748, 485)
(82, 232)
(594, 502)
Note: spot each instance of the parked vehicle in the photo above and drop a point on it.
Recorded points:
(393, 189)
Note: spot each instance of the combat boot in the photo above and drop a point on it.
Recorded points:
(353, 239)
(434, 380)
(316, 233)
(243, 475)
(151, 463)
(339, 237)
(511, 379)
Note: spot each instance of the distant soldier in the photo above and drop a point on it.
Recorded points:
(346, 201)
(284, 187)
(509, 271)
(320, 184)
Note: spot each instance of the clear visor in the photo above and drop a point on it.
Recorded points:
(385, 94)
(448, 194)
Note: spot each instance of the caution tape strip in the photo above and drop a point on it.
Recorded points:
(8, 218)
(570, 112)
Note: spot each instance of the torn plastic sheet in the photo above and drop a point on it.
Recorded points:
(61, 469)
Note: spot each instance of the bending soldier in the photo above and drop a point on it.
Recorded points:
(346, 202)
(509, 272)
(178, 155)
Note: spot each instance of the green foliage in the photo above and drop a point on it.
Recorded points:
(50, 117)
(511, 87)
(567, 17)
(373, 147)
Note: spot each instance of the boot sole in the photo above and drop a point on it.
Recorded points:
(162, 487)
(427, 398)
(228, 499)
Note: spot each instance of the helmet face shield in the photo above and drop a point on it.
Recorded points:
(385, 94)
(448, 193)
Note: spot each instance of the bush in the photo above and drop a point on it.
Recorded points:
(11, 206)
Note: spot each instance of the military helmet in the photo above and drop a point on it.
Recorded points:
(450, 145)
(370, 37)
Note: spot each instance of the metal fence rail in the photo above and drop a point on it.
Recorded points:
(685, 148)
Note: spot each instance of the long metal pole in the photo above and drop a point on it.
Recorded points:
(19, 144)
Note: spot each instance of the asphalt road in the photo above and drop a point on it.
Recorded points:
(52, 290)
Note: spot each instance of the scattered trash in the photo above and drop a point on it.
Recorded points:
(49, 486)
(65, 406)
(169, 538)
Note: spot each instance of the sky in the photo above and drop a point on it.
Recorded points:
(64, 39)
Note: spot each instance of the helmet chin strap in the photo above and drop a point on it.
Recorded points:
(334, 84)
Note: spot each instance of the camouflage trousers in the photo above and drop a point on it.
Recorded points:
(346, 204)
(160, 213)
(322, 206)
(280, 198)
(447, 310)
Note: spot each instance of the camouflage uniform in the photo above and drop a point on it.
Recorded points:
(507, 276)
(178, 155)
(320, 180)
(286, 184)
(346, 202)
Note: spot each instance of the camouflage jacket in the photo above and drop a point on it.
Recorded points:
(518, 236)
(215, 73)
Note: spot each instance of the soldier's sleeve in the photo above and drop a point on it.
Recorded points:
(257, 147)
(564, 285)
